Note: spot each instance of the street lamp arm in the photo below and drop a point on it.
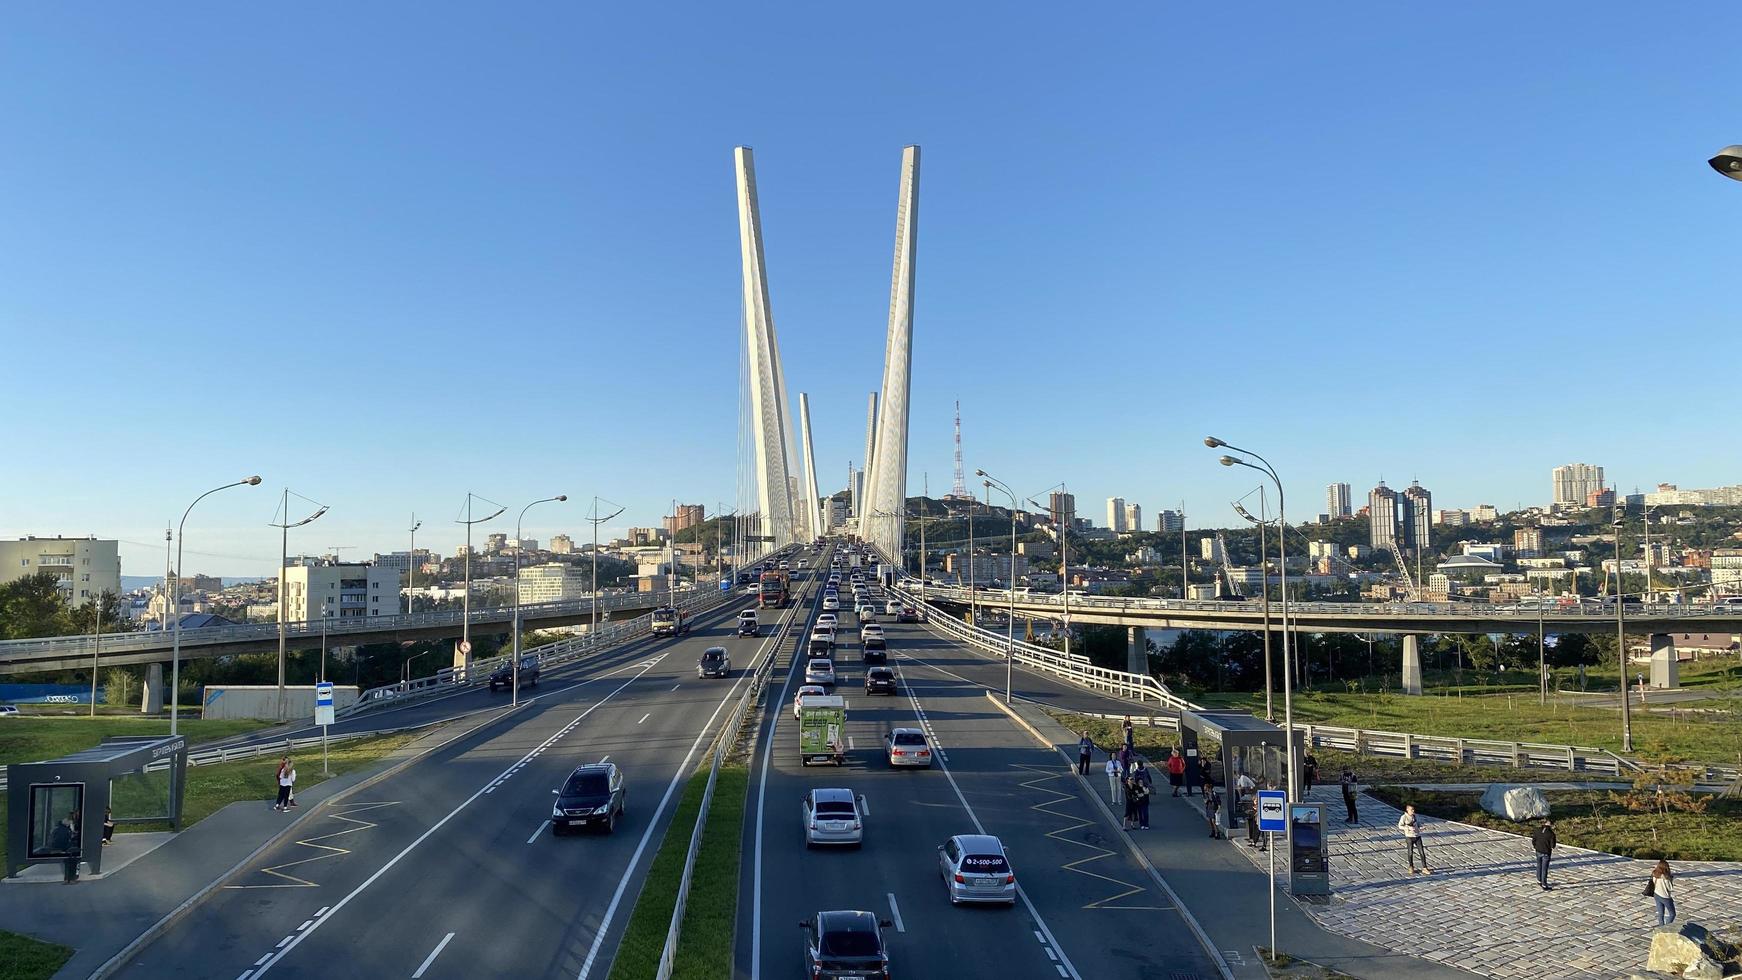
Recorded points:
(252, 481)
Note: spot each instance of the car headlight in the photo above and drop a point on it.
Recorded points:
(556, 810)
(603, 809)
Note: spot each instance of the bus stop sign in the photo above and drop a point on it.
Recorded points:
(324, 703)
(1272, 804)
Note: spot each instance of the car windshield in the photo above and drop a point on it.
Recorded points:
(587, 784)
(821, 665)
(985, 864)
(713, 656)
(834, 808)
(909, 738)
(854, 943)
(881, 673)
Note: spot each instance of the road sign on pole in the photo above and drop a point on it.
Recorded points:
(324, 703)
(1272, 811)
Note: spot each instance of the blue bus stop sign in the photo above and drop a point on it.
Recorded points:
(1272, 806)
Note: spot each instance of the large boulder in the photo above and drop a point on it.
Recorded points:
(1515, 803)
(1689, 951)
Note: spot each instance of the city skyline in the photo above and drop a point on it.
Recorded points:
(418, 242)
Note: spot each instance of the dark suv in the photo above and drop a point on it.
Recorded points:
(592, 796)
(845, 944)
(503, 676)
(879, 680)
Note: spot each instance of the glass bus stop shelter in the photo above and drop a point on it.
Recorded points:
(1246, 744)
(142, 778)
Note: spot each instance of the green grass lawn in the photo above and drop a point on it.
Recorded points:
(33, 738)
(1596, 821)
(644, 937)
(23, 958)
(711, 918)
(1510, 718)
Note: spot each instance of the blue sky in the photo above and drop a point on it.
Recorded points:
(387, 253)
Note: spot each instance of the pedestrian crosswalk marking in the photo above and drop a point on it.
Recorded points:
(342, 812)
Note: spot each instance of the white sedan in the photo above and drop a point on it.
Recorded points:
(804, 692)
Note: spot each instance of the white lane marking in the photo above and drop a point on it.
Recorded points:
(864, 806)
(305, 925)
(1066, 968)
(285, 950)
(281, 944)
(849, 743)
(540, 830)
(432, 955)
(604, 760)
(322, 912)
(676, 686)
(895, 913)
(645, 717)
(683, 771)
(245, 975)
(262, 959)
(1061, 970)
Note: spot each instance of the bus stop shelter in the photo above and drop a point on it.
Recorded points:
(1249, 745)
(78, 790)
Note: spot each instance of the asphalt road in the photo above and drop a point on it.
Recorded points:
(448, 868)
(1087, 910)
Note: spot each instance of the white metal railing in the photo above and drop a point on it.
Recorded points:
(1075, 669)
(725, 738)
(204, 757)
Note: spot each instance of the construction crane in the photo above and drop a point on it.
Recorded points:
(1224, 579)
(1413, 588)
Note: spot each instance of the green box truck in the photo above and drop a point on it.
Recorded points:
(822, 729)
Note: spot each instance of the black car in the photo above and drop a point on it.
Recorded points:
(845, 944)
(714, 663)
(592, 796)
(748, 624)
(879, 680)
(503, 676)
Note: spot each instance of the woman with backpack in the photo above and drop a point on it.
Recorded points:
(1661, 888)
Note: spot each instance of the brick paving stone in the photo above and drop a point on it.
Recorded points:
(1481, 909)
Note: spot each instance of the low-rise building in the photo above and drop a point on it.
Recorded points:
(84, 568)
(552, 582)
(314, 587)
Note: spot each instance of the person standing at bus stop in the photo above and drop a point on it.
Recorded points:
(1085, 752)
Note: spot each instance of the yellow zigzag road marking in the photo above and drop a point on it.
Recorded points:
(341, 812)
(1101, 853)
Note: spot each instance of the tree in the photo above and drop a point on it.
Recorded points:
(33, 606)
(119, 686)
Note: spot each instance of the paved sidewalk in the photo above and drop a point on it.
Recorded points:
(98, 917)
(1228, 894)
(1481, 909)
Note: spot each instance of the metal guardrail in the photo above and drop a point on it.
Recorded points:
(1448, 610)
(449, 679)
(724, 741)
(207, 757)
(1075, 669)
(301, 632)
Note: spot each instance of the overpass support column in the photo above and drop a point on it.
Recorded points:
(1136, 650)
(151, 692)
(1665, 670)
(1411, 664)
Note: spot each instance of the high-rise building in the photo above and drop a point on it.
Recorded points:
(1527, 542)
(1116, 513)
(84, 568)
(1337, 500)
(1575, 482)
(1483, 513)
(552, 582)
(495, 542)
(1210, 549)
(687, 515)
(1133, 517)
(1415, 518)
(1383, 506)
(522, 545)
(562, 544)
(1062, 507)
(341, 590)
(1170, 522)
(643, 536)
(1600, 498)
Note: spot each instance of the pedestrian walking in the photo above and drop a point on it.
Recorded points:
(1131, 790)
(1115, 780)
(1411, 827)
(1130, 735)
(1176, 770)
(1145, 783)
(1085, 752)
(109, 826)
(1311, 769)
(1661, 887)
(64, 839)
(1253, 839)
(1243, 787)
(286, 778)
(1543, 842)
(1212, 811)
(1348, 782)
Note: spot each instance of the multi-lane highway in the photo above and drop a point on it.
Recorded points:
(1086, 909)
(448, 868)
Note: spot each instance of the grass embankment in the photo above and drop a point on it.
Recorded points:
(1369, 769)
(1597, 821)
(711, 916)
(1510, 718)
(33, 738)
(24, 958)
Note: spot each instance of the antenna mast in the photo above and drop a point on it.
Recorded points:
(960, 490)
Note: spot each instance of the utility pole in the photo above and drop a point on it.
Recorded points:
(1185, 581)
(411, 565)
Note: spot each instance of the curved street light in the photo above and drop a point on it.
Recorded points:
(1010, 625)
(520, 546)
(1264, 590)
(175, 602)
(1728, 162)
(1282, 557)
(284, 527)
(466, 603)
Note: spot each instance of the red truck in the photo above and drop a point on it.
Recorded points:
(773, 591)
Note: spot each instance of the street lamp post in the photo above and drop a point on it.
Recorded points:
(1010, 582)
(519, 546)
(1264, 579)
(466, 602)
(96, 652)
(411, 565)
(596, 520)
(284, 524)
(1282, 559)
(175, 603)
(1621, 643)
(1064, 559)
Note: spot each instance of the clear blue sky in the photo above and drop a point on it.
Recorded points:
(385, 253)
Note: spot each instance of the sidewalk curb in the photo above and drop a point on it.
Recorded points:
(1030, 729)
(161, 926)
(1197, 928)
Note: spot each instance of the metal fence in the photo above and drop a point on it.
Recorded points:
(205, 757)
(723, 741)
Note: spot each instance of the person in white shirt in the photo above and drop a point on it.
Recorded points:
(1411, 827)
(1115, 780)
(286, 782)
